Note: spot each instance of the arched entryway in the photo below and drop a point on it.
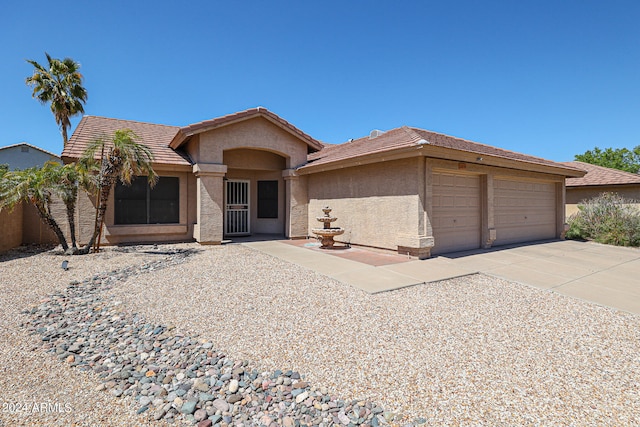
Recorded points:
(255, 193)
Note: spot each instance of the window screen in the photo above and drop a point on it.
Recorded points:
(139, 204)
(267, 199)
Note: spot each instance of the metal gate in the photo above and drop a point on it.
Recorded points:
(236, 218)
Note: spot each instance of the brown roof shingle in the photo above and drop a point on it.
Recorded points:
(156, 137)
(600, 175)
(405, 137)
(388, 141)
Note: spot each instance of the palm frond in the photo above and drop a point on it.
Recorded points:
(60, 85)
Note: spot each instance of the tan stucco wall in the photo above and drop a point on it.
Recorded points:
(297, 205)
(389, 204)
(376, 204)
(34, 231)
(243, 158)
(576, 195)
(10, 228)
(257, 133)
(23, 226)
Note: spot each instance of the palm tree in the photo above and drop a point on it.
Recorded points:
(124, 159)
(65, 185)
(61, 85)
(33, 185)
(66, 180)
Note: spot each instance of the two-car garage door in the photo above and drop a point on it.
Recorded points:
(523, 211)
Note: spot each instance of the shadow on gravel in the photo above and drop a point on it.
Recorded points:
(32, 250)
(27, 251)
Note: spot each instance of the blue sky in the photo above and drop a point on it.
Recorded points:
(547, 78)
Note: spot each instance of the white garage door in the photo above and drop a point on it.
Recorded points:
(524, 211)
(456, 212)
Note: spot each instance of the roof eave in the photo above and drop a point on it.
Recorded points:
(444, 154)
(378, 156)
(499, 161)
(624, 184)
(177, 140)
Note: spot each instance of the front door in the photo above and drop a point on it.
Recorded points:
(236, 218)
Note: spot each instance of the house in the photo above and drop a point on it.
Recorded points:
(598, 180)
(24, 156)
(407, 189)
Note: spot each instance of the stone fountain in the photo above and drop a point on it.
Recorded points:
(327, 233)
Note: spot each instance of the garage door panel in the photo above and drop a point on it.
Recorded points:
(524, 211)
(456, 212)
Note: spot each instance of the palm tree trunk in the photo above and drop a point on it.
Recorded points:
(71, 209)
(105, 190)
(48, 220)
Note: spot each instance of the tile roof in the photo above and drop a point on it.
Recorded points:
(388, 141)
(405, 137)
(600, 175)
(156, 137)
(206, 125)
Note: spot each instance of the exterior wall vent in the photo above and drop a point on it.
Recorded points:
(375, 133)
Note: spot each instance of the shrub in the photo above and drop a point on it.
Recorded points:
(607, 218)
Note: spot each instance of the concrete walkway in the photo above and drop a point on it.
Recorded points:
(602, 274)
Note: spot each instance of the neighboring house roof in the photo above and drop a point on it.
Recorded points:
(407, 137)
(24, 156)
(21, 144)
(600, 176)
(156, 137)
(204, 126)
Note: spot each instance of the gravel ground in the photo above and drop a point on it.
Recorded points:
(470, 351)
(29, 377)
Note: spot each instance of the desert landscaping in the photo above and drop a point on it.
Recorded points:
(227, 335)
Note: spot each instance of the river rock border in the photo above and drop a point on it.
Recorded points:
(174, 377)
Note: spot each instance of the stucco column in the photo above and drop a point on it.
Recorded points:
(420, 244)
(561, 225)
(488, 215)
(210, 206)
(296, 205)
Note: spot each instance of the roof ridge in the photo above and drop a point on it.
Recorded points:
(130, 121)
(414, 135)
(485, 145)
(504, 153)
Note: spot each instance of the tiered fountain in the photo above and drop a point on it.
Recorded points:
(327, 233)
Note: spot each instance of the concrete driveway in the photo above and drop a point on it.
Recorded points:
(606, 275)
(603, 274)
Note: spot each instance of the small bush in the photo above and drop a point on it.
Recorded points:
(607, 218)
